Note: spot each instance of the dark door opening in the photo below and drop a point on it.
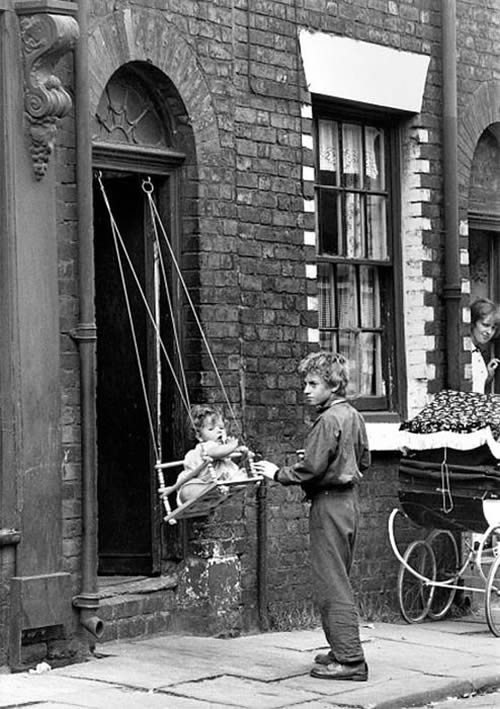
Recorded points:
(484, 258)
(125, 467)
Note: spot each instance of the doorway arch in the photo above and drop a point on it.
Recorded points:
(146, 36)
(484, 216)
(140, 132)
(479, 175)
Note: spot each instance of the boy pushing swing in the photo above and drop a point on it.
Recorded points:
(335, 456)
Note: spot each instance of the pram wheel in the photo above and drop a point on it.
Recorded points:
(492, 598)
(445, 549)
(415, 578)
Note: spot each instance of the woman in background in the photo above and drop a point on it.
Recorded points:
(485, 316)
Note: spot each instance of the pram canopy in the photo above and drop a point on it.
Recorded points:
(450, 463)
(455, 420)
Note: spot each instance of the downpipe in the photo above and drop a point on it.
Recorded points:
(452, 292)
(87, 606)
(85, 334)
(92, 623)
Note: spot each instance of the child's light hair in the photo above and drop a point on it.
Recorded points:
(200, 413)
(330, 366)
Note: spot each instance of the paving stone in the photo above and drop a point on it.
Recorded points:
(56, 692)
(170, 662)
(243, 693)
(141, 671)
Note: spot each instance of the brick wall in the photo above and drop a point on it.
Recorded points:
(249, 216)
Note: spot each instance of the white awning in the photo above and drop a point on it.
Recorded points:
(363, 72)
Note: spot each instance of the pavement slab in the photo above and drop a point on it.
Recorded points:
(243, 693)
(140, 672)
(53, 690)
(116, 698)
(346, 689)
(410, 665)
(149, 669)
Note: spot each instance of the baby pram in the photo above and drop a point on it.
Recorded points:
(449, 482)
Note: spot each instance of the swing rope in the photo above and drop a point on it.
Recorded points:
(119, 243)
(148, 188)
(157, 220)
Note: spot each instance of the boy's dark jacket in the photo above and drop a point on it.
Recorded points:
(336, 451)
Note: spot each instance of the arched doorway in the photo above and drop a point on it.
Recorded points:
(135, 139)
(484, 220)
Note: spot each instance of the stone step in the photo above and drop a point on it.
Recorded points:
(135, 607)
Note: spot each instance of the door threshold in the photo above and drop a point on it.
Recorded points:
(109, 586)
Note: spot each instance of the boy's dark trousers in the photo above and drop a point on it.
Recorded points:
(333, 524)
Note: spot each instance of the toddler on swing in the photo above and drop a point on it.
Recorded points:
(213, 444)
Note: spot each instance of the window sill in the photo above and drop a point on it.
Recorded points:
(383, 432)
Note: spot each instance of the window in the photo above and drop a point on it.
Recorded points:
(356, 256)
(127, 112)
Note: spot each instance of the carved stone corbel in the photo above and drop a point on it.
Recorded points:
(46, 38)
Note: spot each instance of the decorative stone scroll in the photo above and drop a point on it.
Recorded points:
(46, 38)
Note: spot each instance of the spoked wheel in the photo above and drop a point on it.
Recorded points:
(492, 599)
(445, 549)
(485, 553)
(415, 578)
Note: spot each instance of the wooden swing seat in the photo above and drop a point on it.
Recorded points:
(209, 499)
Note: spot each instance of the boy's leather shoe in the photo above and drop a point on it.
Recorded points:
(324, 658)
(354, 673)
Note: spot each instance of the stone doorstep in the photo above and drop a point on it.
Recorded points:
(132, 607)
(112, 586)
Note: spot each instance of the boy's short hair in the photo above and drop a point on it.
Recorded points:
(482, 308)
(199, 414)
(330, 366)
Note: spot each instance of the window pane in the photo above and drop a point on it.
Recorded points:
(376, 231)
(370, 365)
(357, 333)
(348, 347)
(329, 222)
(127, 114)
(374, 158)
(326, 296)
(329, 341)
(354, 225)
(328, 152)
(363, 353)
(352, 153)
(347, 297)
(370, 297)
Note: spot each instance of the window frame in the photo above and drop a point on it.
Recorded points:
(392, 312)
